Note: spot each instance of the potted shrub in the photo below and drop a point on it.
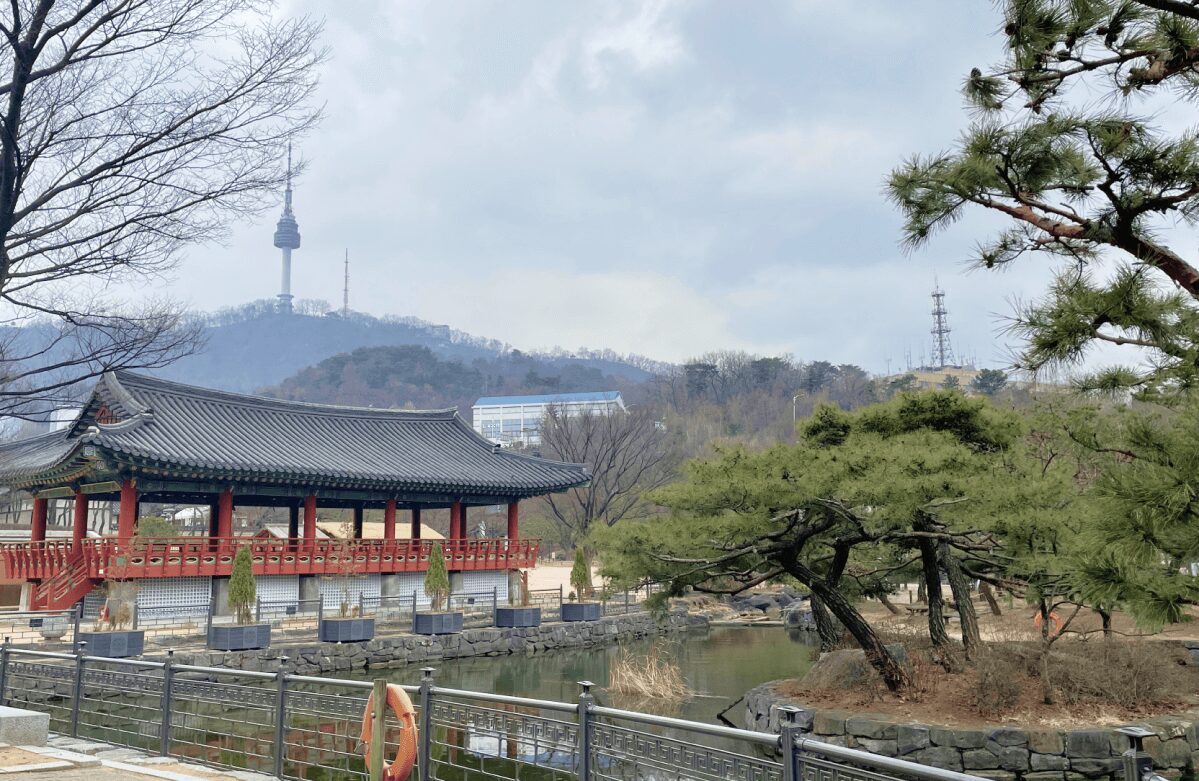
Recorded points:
(580, 582)
(113, 634)
(517, 616)
(437, 586)
(243, 592)
(351, 625)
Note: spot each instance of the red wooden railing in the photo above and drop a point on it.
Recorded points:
(165, 557)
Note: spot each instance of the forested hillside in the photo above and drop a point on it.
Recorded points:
(414, 376)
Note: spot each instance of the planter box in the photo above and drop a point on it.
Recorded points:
(114, 645)
(347, 630)
(582, 611)
(517, 616)
(437, 623)
(239, 638)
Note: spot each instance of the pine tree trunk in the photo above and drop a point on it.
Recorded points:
(1106, 617)
(887, 603)
(892, 673)
(984, 588)
(959, 584)
(932, 593)
(921, 592)
(826, 626)
(1046, 684)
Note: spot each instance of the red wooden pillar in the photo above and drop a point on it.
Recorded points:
(389, 520)
(224, 514)
(414, 532)
(310, 521)
(456, 521)
(127, 514)
(513, 520)
(38, 526)
(79, 528)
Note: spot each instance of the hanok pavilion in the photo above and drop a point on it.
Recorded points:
(144, 440)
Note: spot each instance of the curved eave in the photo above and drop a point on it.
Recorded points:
(136, 463)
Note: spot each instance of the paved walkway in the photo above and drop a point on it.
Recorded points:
(68, 759)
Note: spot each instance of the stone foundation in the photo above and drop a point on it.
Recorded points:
(319, 658)
(1001, 753)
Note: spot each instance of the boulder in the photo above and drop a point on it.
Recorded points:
(847, 668)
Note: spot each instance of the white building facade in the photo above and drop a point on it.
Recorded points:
(510, 420)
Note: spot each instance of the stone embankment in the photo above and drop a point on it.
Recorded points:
(1000, 753)
(384, 652)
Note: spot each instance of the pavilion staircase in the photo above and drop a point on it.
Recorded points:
(65, 588)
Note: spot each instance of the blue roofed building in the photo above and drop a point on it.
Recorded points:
(511, 420)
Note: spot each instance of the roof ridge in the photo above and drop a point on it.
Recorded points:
(126, 378)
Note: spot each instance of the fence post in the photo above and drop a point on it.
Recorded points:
(168, 684)
(1137, 764)
(559, 601)
(495, 602)
(280, 715)
(374, 762)
(135, 614)
(789, 733)
(585, 703)
(362, 604)
(626, 601)
(426, 722)
(77, 686)
(414, 611)
(208, 625)
(257, 609)
(4, 670)
(78, 620)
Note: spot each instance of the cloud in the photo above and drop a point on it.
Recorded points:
(668, 178)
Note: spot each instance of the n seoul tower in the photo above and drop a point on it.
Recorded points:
(287, 238)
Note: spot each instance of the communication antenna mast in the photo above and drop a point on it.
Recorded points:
(345, 293)
(942, 350)
(287, 238)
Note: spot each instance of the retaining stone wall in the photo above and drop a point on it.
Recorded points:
(1000, 753)
(382, 652)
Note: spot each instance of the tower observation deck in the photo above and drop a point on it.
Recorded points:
(287, 238)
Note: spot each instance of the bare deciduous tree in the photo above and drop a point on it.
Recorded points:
(628, 454)
(129, 129)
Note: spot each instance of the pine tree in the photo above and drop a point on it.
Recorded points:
(580, 576)
(243, 590)
(1088, 181)
(437, 578)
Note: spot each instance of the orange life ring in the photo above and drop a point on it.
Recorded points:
(1055, 623)
(401, 705)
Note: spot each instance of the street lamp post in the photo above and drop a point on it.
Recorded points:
(794, 411)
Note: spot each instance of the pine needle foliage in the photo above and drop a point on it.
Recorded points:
(437, 578)
(1089, 182)
(243, 590)
(580, 576)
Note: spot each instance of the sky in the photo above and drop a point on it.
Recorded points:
(663, 178)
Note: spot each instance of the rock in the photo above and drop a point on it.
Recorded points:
(979, 759)
(1046, 742)
(1013, 758)
(1089, 743)
(1093, 767)
(1007, 736)
(939, 756)
(911, 737)
(877, 728)
(957, 738)
(1044, 775)
(760, 601)
(1049, 762)
(887, 748)
(847, 668)
(1168, 753)
(826, 723)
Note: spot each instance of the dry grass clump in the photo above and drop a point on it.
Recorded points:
(652, 675)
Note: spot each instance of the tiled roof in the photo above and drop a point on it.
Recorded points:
(549, 398)
(179, 428)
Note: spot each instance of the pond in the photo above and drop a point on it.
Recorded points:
(719, 664)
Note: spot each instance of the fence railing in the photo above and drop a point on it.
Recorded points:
(301, 727)
(613, 604)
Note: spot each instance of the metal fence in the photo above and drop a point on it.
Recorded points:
(612, 604)
(302, 727)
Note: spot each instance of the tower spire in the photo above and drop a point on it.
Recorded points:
(287, 238)
(942, 351)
